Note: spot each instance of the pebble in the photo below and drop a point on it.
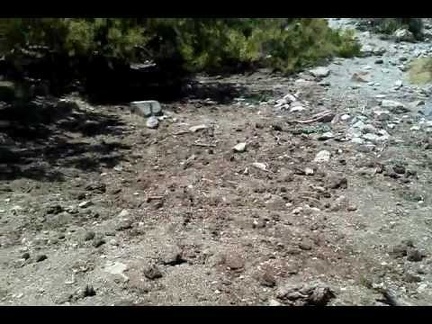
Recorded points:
(394, 106)
(55, 209)
(260, 166)
(98, 242)
(410, 278)
(25, 256)
(345, 117)
(268, 280)
(124, 224)
(85, 204)
(273, 302)
(196, 128)
(89, 291)
(116, 268)
(152, 272)
(320, 72)
(240, 147)
(152, 122)
(414, 255)
(123, 213)
(89, 236)
(322, 157)
(173, 257)
(326, 136)
(309, 171)
(297, 109)
(41, 257)
(234, 261)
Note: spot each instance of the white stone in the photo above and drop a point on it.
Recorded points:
(322, 156)
(116, 268)
(152, 122)
(196, 128)
(345, 117)
(123, 213)
(240, 147)
(320, 72)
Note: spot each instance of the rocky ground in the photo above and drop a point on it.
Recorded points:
(310, 190)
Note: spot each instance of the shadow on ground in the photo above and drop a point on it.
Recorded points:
(37, 141)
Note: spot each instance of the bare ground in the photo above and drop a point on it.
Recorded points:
(178, 218)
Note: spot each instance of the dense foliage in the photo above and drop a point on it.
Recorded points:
(86, 48)
(390, 25)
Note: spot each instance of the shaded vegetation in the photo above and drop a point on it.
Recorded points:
(390, 25)
(151, 57)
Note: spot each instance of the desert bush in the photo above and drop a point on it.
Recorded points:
(91, 49)
(390, 25)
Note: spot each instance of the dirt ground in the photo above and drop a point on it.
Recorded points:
(98, 209)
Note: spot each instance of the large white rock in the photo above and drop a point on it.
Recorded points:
(146, 108)
(320, 72)
(322, 156)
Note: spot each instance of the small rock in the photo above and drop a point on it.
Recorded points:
(361, 77)
(89, 291)
(98, 242)
(173, 258)
(234, 261)
(351, 208)
(322, 157)
(124, 224)
(123, 213)
(240, 147)
(404, 35)
(414, 255)
(96, 187)
(345, 117)
(400, 250)
(382, 115)
(298, 108)
(321, 296)
(417, 103)
(339, 203)
(326, 136)
(379, 61)
(152, 122)
(260, 166)
(55, 209)
(273, 302)
(306, 245)
(268, 280)
(41, 257)
(357, 140)
(85, 204)
(320, 72)
(146, 108)
(373, 138)
(305, 294)
(398, 84)
(259, 223)
(116, 268)
(196, 128)
(25, 256)
(309, 171)
(394, 106)
(152, 272)
(89, 236)
(411, 278)
(399, 169)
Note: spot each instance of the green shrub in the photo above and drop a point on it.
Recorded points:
(390, 25)
(191, 45)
